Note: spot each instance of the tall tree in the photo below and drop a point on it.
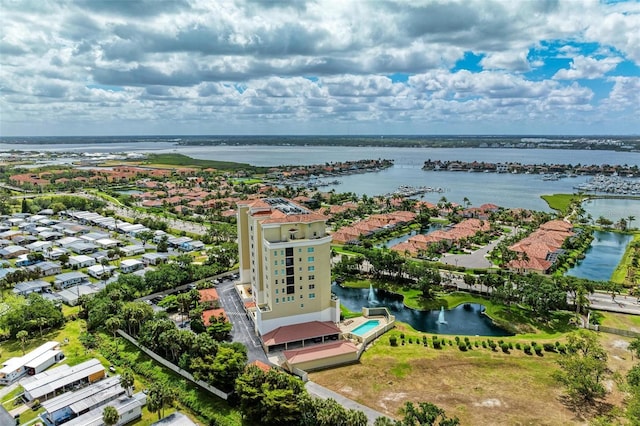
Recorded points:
(634, 347)
(127, 380)
(583, 368)
(22, 336)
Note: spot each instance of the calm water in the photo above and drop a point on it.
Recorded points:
(502, 189)
(614, 209)
(602, 257)
(402, 238)
(460, 321)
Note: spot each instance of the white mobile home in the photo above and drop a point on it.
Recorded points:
(38, 359)
(45, 385)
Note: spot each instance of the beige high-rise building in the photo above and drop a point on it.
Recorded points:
(285, 255)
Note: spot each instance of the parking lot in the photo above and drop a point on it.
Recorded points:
(242, 330)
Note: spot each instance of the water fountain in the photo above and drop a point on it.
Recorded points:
(441, 319)
(372, 295)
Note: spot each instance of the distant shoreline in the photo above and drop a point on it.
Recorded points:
(604, 143)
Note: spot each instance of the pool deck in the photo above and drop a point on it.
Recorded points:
(347, 327)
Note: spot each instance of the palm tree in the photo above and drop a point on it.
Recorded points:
(127, 380)
(110, 415)
(630, 219)
(113, 324)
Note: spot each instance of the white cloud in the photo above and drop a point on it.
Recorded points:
(583, 67)
(321, 62)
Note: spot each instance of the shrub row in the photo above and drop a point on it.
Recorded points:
(465, 344)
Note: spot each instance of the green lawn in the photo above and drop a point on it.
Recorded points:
(620, 274)
(560, 202)
(183, 160)
(621, 321)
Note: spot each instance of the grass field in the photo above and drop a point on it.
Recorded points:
(183, 160)
(621, 321)
(621, 273)
(479, 386)
(560, 202)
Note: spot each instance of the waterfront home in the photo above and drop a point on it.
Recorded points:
(539, 250)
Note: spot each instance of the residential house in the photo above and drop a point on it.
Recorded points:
(27, 287)
(82, 247)
(39, 246)
(70, 278)
(132, 250)
(192, 245)
(154, 258)
(81, 261)
(32, 363)
(98, 271)
(24, 260)
(130, 265)
(46, 268)
(11, 252)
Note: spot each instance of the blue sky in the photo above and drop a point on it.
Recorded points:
(104, 67)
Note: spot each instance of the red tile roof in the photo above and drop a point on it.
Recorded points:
(298, 332)
(261, 365)
(206, 315)
(208, 294)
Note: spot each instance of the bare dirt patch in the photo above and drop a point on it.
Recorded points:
(479, 387)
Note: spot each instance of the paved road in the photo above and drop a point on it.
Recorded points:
(242, 330)
(621, 304)
(321, 392)
(477, 259)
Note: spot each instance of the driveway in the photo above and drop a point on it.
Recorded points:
(242, 330)
(477, 259)
(324, 393)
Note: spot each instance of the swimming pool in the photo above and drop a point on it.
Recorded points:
(363, 329)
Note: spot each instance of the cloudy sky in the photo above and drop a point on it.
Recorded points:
(116, 67)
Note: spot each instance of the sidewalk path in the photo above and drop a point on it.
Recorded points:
(324, 393)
